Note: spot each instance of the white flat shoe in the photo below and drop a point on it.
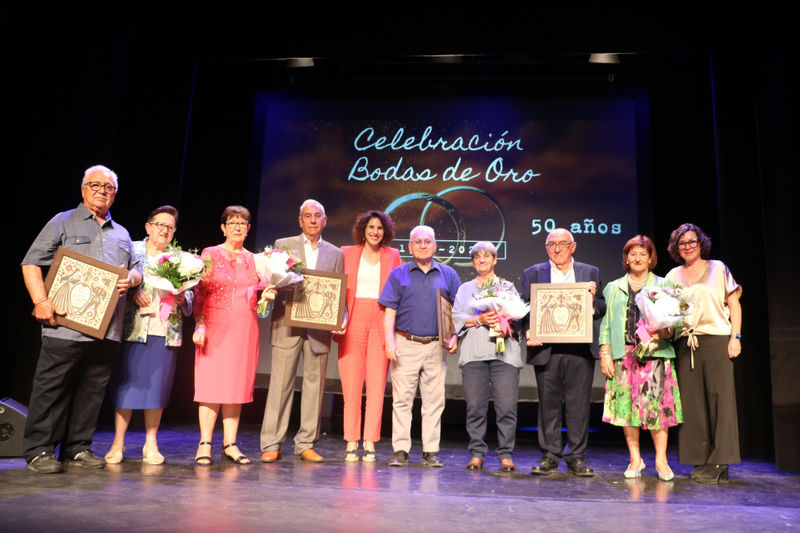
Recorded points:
(152, 457)
(114, 457)
(632, 473)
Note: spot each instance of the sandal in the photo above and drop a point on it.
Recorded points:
(203, 460)
(240, 460)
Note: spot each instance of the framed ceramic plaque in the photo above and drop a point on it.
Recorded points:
(444, 313)
(318, 301)
(561, 312)
(84, 288)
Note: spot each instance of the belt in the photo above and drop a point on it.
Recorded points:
(414, 338)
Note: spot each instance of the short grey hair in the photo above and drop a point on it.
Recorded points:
(311, 201)
(482, 246)
(417, 229)
(100, 168)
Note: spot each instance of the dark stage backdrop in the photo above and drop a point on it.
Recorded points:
(506, 170)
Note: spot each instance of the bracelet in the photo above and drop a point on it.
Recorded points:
(478, 320)
(40, 301)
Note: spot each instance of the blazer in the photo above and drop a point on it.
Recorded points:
(330, 259)
(390, 259)
(540, 273)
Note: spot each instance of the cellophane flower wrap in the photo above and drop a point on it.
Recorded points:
(175, 271)
(278, 267)
(660, 307)
(497, 294)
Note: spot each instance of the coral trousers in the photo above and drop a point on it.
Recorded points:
(362, 358)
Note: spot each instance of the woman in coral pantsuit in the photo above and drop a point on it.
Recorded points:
(362, 356)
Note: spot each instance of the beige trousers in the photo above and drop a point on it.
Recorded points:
(423, 365)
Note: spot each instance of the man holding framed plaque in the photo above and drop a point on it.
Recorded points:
(564, 370)
(74, 367)
(289, 342)
(412, 344)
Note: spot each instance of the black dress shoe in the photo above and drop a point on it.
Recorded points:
(697, 471)
(399, 458)
(45, 463)
(544, 467)
(431, 459)
(578, 467)
(87, 459)
(712, 474)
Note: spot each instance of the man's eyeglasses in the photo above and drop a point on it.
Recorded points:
(691, 243)
(95, 186)
(558, 245)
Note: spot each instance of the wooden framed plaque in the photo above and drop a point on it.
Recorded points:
(444, 314)
(318, 301)
(84, 288)
(561, 312)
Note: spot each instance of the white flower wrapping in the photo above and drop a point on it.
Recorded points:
(188, 266)
(664, 312)
(274, 268)
(509, 306)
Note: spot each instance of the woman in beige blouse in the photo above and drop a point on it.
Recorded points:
(710, 340)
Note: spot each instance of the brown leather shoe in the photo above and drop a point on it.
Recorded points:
(270, 456)
(476, 463)
(311, 456)
(507, 465)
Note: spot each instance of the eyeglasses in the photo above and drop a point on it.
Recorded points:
(162, 227)
(237, 224)
(95, 186)
(558, 245)
(691, 243)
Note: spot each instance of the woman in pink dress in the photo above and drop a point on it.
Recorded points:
(226, 337)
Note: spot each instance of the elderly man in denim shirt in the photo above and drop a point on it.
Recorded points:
(412, 344)
(73, 369)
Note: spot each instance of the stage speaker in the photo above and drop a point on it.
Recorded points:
(12, 425)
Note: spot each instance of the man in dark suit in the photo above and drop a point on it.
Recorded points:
(289, 342)
(564, 372)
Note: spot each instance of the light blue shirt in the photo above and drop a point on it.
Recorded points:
(78, 230)
(475, 344)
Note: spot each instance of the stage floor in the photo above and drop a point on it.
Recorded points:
(292, 495)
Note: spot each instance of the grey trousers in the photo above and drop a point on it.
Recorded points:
(281, 394)
(500, 380)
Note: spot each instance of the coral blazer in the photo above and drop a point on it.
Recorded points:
(390, 259)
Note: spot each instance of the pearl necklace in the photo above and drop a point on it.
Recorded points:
(636, 285)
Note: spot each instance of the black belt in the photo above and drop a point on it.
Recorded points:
(421, 340)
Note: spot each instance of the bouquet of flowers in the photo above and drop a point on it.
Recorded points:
(175, 271)
(498, 295)
(661, 307)
(278, 268)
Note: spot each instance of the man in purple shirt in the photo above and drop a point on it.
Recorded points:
(412, 344)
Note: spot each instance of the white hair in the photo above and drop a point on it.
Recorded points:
(105, 170)
(312, 202)
(418, 229)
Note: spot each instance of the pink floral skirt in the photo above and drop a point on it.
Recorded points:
(643, 394)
